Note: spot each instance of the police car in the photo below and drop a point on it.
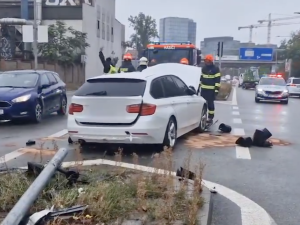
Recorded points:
(272, 88)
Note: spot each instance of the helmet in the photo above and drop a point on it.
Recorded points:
(184, 61)
(209, 58)
(143, 61)
(127, 56)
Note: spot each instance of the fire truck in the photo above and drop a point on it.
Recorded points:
(172, 52)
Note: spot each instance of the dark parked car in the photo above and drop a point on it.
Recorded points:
(30, 94)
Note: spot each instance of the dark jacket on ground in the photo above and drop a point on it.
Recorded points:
(126, 67)
(210, 80)
(105, 62)
(141, 68)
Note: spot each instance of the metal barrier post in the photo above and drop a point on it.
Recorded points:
(23, 205)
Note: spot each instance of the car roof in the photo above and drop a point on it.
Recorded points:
(132, 75)
(26, 71)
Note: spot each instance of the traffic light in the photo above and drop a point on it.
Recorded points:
(220, 49)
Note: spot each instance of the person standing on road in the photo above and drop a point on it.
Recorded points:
(127, 66)
(107, 63)
(143, 64)
(210, 85)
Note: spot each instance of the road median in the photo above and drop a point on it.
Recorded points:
(117, 193)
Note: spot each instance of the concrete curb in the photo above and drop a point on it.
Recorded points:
(205, 214)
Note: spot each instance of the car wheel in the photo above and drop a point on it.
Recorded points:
(285, 102)
(170, 134)
(63, 106)
(203, 120)
(70, 141)
(38, 112)
(256, 100)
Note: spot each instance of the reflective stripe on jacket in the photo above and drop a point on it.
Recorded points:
(112, 70)
(210, 78)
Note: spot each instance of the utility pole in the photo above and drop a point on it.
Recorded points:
(220, 52)
(35, 35)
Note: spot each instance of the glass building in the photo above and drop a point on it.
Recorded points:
(177, 29)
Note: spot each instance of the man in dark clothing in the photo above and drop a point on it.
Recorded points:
(108, 66)
(210, 85)
(127, 66)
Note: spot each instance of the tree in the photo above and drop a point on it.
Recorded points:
(292, 51)
(145, 29)
(65, 45)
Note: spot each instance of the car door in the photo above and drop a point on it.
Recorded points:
(178, 102)
(193, 103)
(55, 92)
(45, 92)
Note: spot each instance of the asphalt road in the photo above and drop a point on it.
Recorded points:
(267, 176)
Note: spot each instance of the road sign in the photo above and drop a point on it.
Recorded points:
(256, 54)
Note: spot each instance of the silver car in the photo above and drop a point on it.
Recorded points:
(293, 85)
(272, 89)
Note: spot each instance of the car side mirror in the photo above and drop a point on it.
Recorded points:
(191, 91)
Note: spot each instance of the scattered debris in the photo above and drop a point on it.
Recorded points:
(244, 142)
(30, 142)
(213, 190)
(225, 128)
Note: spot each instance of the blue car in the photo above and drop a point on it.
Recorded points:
(30, 94)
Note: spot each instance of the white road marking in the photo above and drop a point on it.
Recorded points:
(235, 107)
(234, 97)
(251, 212)
(238, 132)
(237, 120)
(235, 113)
(242, 152)
(12, 155)
(17, 153)
(59, 134)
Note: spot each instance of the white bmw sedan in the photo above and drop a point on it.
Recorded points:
(135, 108)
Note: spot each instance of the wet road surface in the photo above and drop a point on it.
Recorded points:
(265, 175)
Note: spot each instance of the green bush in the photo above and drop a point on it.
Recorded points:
(224, 91)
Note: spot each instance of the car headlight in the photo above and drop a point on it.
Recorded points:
(285, 91)
(260, 90)
(23, 98)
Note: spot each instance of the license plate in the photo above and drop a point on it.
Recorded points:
(1, 111)
(273, 96)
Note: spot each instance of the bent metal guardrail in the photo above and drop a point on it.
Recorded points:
(23, 205)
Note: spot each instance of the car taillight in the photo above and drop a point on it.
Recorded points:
(147, 109)
(75, 108)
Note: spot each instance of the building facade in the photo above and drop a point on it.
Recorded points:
(210, 45)
(94, 17)
(177, 29)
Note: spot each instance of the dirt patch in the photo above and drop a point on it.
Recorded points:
(38, 151)
(201, 141)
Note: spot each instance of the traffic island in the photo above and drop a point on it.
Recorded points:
(117, 193)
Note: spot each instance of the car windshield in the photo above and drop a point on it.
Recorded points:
(168, 55)
(18, 80)
(272, 81)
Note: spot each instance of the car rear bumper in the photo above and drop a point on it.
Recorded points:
(144, 131)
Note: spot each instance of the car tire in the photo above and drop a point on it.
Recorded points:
(170, 134)
(38, 112)
(63, 106)
(203, 120)
(256, 100)
(70, 141)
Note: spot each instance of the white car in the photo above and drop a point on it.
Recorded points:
(135, 108)
(293, 85)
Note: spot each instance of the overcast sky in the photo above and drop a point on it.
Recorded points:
(211, 18)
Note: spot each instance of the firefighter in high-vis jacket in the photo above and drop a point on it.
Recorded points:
(210, 85)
